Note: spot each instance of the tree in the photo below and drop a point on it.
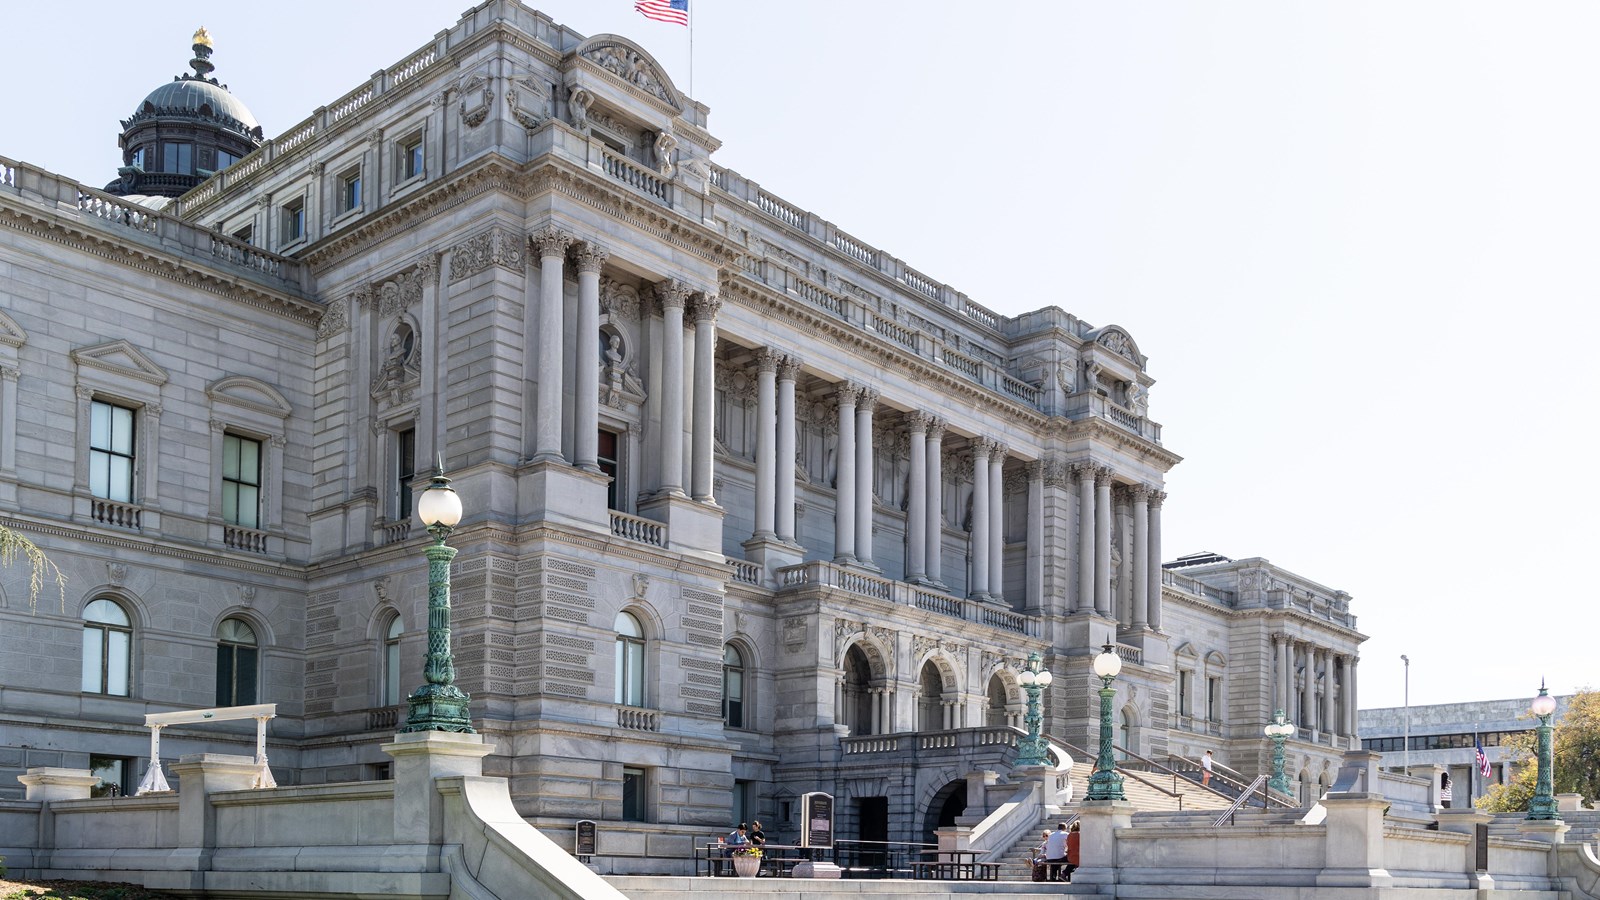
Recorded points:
(1575, 754)
(40, 568)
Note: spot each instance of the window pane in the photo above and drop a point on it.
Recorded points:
(119, 485)
(621, 673)
(635, 673)
(107, 611)
(224, 675)
(230, 457)
(122, 430)
(100, 425)
(99, 474)
(230, 504)
(249, 461)
(249, 507)
(237, 631)
(93, 641)
(118, 643)
(391, 673)
(244, 673)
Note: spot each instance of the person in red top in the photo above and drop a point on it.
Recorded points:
(1072, 850)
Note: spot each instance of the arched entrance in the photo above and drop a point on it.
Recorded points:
(930, 699)
(995, 713)
(856, 692)
(947, 804)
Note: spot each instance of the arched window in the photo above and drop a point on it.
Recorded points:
(997, 713)
(732, 687)
(930, 699)
(630, 660)
(1125, 738)
(107, 648)
(236, 663)
(855, 693)
(391, 663)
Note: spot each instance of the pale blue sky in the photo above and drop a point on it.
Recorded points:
(1355, 240)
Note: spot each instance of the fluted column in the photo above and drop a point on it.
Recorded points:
(673, 297)
(864, 458)
(1153, 552)
(766, 439)
(552, 244)
(1329, 723)
(1308, 696)
(1285, 689)
(1140, 607)
(1086, 520)
(1104, 512)
(586, 383)
(997, 522)
(979, 538)
(844, 482)
(788, 371)
(1350, 708)
(1034, 533)
(1344, 694)
(935, 509)
(917, 499)
(705, 411)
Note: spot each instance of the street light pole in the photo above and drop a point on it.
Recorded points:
(439, 705)
(1034, 678)
(1543, 805)
(1407, 660)
(1278, 729)
(1105, 783)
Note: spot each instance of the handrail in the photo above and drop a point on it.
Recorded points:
(1131, 773)
(1237, 783)
(1238, 802)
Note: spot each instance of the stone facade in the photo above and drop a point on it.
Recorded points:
(663, 393)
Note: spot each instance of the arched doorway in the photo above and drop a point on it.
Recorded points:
(856, 693)
(947, 804)
(995, 713)
(930, 698)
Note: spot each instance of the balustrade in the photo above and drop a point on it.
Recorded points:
(638, 528)
(744, 571)
(117, 515)
(247, 539)
(634, 175)
(826, 574)
(635, 719)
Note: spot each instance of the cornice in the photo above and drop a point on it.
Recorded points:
(1103, 431)
(49, 227)
(546, 175)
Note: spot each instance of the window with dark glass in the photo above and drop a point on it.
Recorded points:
(391, 663)
(111, 434)
(607, 461)
(107, 648)
(405, 469)
(1183, 692)
(1213, 699)
(411, 158)
(633, 795)
(225, 159)
(241, 481)
(137, 159)
(236, 664)
(350, 190)
(177, 157)
(246, 234)
(732, 687)
(294, 220)
(113, 772)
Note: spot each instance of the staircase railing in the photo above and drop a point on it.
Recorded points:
(1227, 816)
(1237, 783)
(1126, 772)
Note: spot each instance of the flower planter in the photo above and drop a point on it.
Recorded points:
(746, 866)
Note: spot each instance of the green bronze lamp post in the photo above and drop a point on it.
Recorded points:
(1034, 678)
(439, 705)
(1543, 804)
(1105, 783)
(1278, 729)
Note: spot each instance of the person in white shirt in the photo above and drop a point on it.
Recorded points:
(1205, 769)
(1055, 851)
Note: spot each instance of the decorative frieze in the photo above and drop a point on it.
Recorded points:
(495, 247)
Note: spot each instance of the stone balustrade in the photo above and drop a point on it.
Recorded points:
(825, 574)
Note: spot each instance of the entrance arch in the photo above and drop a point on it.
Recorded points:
(949, 802)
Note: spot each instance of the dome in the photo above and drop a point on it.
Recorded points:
(191, 97)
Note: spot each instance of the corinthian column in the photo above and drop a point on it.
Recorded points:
(1308, 695)
(844, 480)
(1330, 724)
(705, 354)
(917, 499)
(1344, 693)
(552, 244)
(935, 508)
(1285, 692)
(766, 437)
(1141, 556)
(673, 295)
(788, 370)
(586, 384)
(1153, 551)
(981, 448)
(864, 408)
(997, 522)
(1104, 513)
(1086, 519)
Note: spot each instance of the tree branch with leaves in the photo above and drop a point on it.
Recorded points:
(13, 546)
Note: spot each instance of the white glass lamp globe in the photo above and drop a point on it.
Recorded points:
(1044, 678)
(1026, 677)
(1107, 664)
(1543, 705)
(439, 505)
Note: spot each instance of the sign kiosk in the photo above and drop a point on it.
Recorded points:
(156, 780)
(816, 831)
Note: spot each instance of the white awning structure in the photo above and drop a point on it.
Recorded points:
(156, 780)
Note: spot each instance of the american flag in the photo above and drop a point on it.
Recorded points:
(1483, 761)
(674, 11)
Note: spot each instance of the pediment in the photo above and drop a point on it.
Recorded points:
(250, 393)
(11, 334)
(1187, 650)
(630, 63)
(1117, 339)
(122, 359)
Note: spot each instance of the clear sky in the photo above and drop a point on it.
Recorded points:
(1355, 239)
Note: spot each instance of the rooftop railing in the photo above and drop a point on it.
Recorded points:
(826, 574)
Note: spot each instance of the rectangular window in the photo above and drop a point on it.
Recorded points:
(246, 234)
(225, 159)
(350, 190)
(608, 465)
(177, 157)
(405, 469)
(137, 160)
(294, 220)
(633, 795)
(111, 451)
(742, 811)
(1213, 699)
(113, 772)
(236, 675)
(411, 157)
(241, 481)
(1183, 693)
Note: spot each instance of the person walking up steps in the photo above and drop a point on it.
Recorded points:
(1205, 770)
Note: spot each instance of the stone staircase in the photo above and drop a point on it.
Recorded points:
(1584, 825)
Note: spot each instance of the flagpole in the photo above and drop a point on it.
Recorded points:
(692, 17)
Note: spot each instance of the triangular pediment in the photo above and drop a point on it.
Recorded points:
(249, 393)
(122, 359)
(1187, 651)
(631, 64)
(11, 334)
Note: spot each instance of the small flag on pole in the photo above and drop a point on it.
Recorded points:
(675, 12)
(1483, 761)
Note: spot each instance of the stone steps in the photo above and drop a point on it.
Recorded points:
(639, 887)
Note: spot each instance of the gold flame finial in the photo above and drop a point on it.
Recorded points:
(201, 38)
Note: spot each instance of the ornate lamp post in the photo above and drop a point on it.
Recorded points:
(1543, 804)
(1278, 729)
(1105, 783)
(1034, 678)
(439, 705)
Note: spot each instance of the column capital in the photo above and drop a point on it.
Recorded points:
(590, 257)
(848, 392)
(1140, 492)
(428, 270)
(868, 401)
(10, 373)
(1102, 476)
(672, 293)
(551, 241)
(1035, 469)
(982, 447)
(935, 429)
(706, 304)
(917, 421)
(1156, 497)
(998, 451)
(767, 359)
(788, 367)
(1084, 469)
